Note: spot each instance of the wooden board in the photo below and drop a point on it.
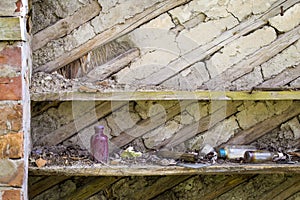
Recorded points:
(147, 170)
(166, 95)
(10, 28)
(65, 26)
(111, 34)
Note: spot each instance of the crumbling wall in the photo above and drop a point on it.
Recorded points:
(192, 46)
(14, 99)
(178, 45)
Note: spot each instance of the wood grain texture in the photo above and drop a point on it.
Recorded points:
(203, 124)
(203, 51)
(285, 189)
(44, 184)
(113, 66)
(161, 185)
(249, 135)
(256, 59)
(92, 187)
(155, 170)
(166, 95)
(111, 34)
(283, 78)
(10, 28)
(66, 25)
(68, 130)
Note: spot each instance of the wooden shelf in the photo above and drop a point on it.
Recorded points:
(154, 170)
(166, 95)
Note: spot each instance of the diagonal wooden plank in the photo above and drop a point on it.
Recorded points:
(203, 124)
(44, 184)
(201, 52)
(161, 185)
(225, 186)
(258, 58)
(253, 133)
(111, 34)
(66, 25)
(282, 79)
(284, 190)
(147, 125)
(66, 131)
(92, 187)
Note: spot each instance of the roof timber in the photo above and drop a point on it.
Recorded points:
(154, 170)
(111, 34)
(276, 94)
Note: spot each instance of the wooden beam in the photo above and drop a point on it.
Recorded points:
(155, 170)
(285, 77)
(66, 25)
(188, 59)
(284, 190)
(10, 8)
(258, 130)
(10, 28)
(68, 130)
(258, 58)
(44, 184)
(203, 124)
(224, 186)
(147, 125)
(92, 187)
(113, 66)
(166, 95)
(111, 34)
(161, 185)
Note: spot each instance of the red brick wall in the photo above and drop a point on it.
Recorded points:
(14, 109)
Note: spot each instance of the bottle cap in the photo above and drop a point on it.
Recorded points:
(98, 128)
(222, 153)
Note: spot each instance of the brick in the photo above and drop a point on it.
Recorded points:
(11, 172)
(11, 88)
(11, 118)
(11, 55)
(11, 145)
(11, 195)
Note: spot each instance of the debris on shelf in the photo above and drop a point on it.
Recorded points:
(54, 82)
(72, 155)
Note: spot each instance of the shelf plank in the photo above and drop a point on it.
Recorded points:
(155, 170)
(166, 95)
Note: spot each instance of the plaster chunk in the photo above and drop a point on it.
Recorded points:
(217, 135)
(243, 8)
(250, 80)
(293, 125)
(287, 58)
(189, 79)
(184, 118)
(295, 83)
(148, 64)
(277, 107)
(150, 108)
(122, 119)
(84, 33)
(197, 110)
(239, 49)
(207, 31)
(289, 20)
(253, 114)
(160, 134)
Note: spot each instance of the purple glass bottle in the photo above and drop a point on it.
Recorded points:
(99, 145)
